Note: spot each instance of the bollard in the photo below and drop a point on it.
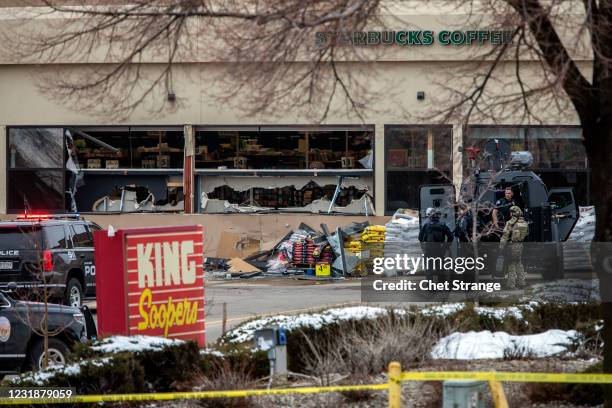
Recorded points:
(395, 385)
(497, 392)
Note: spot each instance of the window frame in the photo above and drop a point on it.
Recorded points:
(76, 244)
(424, 170)
(10, 170)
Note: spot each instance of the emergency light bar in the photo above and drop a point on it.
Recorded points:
(40, 216)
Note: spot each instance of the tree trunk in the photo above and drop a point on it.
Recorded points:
(598, 142)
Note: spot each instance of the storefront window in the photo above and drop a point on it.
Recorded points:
(35, 177)
(130, 148)
(268, 148)
(35, 148)
(40, 190)
(555, 148)
(415, 156)
(415, 147)
(282, 168)
(551, 147)
(68, 169)
(559, 156)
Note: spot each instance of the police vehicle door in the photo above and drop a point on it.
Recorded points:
(441, 198)
(14, 336)
(83, 247)
(564, 212)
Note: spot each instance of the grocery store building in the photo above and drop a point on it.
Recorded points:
(208, 163)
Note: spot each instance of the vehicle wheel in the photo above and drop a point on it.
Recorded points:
(57, 353)
(74, 293)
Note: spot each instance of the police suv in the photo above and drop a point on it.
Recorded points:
(50, 255)
(22, 327)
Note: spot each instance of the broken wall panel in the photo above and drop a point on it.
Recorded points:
(220, 194)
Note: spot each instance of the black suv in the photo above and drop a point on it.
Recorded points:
(22, 330)
(49, 253)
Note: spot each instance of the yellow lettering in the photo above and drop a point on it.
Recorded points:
(165, 316)
(193, 315)
(180, 317)
(144, 297)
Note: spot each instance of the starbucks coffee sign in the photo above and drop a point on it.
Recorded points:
(414, 37)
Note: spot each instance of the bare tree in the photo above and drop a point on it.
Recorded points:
(35, 314)
(133, 48)
(570, 41)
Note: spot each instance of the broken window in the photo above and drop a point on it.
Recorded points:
(95, 169)
(137, 193)
(153, 159)
(322, 194)
(277, 168)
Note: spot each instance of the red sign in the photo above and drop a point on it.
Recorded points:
(150, 281)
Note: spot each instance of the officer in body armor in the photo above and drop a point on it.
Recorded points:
(515, 232)
(434, 237)
(501, 212)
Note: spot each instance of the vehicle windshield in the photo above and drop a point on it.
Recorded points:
(19, 237)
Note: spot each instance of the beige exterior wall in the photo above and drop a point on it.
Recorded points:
(393, 81)
(23, 104)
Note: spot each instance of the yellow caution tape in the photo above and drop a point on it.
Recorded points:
(165, 396)
(507, 377)
(406, 376)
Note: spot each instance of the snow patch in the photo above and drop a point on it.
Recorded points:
(212, 352)
(41, 377)
(443, 310)
(135, 344)
(585, 227)
(245, 332)
(500, 313)
(487, 345)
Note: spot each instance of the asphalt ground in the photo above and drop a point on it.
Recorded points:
(247, 299)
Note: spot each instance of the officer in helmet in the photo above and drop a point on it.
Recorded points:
(434, 236)
(515, 232)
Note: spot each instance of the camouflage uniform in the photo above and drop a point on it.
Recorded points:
(515, 232)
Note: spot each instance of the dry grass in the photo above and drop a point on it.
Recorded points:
(226, 377)
(365, 348)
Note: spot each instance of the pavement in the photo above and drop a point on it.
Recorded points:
(246, 299)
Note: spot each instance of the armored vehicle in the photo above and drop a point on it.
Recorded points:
(551, 213)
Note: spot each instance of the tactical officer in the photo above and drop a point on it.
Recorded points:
(434, 235)
(501, 212)
(515, 232)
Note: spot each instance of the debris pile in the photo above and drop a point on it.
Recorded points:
(315, 254)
